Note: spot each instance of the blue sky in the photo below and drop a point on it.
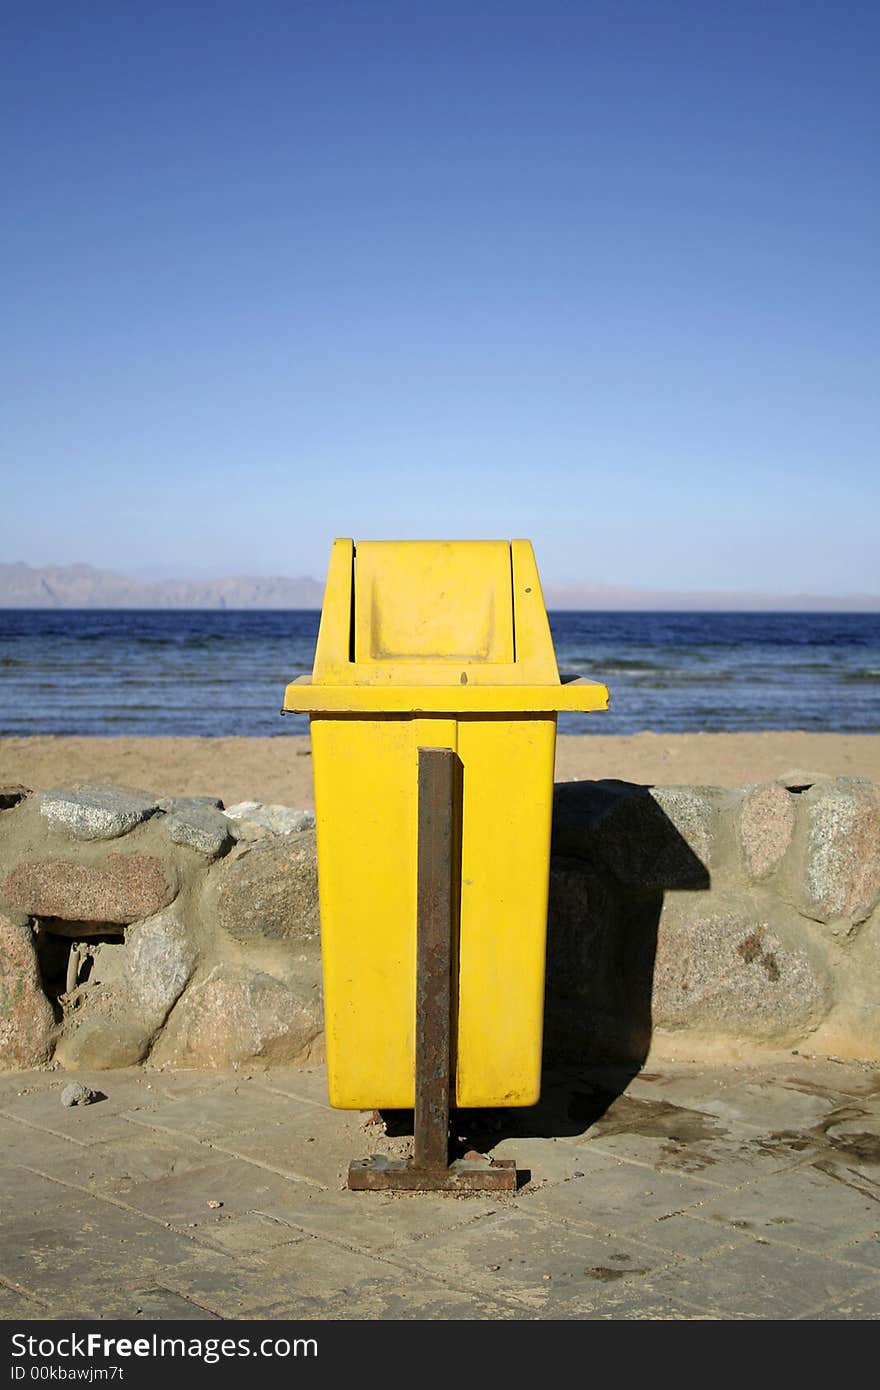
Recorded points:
(600, 274)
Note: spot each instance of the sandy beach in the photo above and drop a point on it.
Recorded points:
(280, 769)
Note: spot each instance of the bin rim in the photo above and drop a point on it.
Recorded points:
(574, 693)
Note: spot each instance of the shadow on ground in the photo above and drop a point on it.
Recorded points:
(615, 853)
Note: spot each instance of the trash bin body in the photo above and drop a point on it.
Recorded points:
(434, 645)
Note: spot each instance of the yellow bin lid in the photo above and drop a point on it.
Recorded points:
(436, 626)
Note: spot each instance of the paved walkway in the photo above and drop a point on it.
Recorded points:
(686, 1192)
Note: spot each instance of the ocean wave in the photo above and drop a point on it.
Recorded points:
(223, 673)
(669, 679)
(620, 664)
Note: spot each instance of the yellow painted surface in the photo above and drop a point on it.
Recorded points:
(434, 644)
(366, 803)
(428, 613)
(468, 616)
(303, 696)
(508, 804)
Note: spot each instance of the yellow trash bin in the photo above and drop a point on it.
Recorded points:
(434, 644)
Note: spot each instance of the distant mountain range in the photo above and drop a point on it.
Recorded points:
(83, 586)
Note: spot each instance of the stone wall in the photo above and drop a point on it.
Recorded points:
(133, 926)
(684, 921)
(707, 921)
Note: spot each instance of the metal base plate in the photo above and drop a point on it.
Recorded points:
(381, 1174)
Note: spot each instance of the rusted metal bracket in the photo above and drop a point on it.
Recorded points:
(429, 1169)
(381, 1174)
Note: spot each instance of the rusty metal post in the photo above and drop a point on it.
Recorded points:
(438, 903)
(436, 920)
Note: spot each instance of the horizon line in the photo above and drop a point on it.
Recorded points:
(52, 586)
(550, 608)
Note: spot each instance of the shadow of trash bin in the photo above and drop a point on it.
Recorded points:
(615, 853)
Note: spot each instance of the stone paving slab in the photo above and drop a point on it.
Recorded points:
(14, 1305)
(765, 1282)
(770, 1107)
(228, 1110)
(36, 1101)
(619, 1196)
(311, 1279)
(545, 1160)
(173, 1085)
(21, 1145)
(131, 1086)
(686, 1193)
(862, 1250)
(808, 1210)
(182, 1201)
(246, 1234)
(377, 1221)
(732, 1156)
(308, 1084)
(860, 1307)
(688, 1238)
(49, 1252)
(153, 1305)
(678, 1084)
(142, 1299)
(22, 1191)
(82, 1135)
(111, 1165)
(312, 1144)
(542, 1265)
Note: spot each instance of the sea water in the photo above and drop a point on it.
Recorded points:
(222, 672)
